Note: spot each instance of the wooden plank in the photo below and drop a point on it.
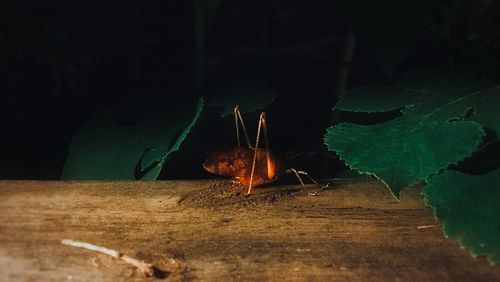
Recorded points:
(208, 230)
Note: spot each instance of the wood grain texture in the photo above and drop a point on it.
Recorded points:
(207, 230)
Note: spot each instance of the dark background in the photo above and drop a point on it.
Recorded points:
(62, 60)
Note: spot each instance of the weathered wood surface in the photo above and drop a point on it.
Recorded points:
(203, 230)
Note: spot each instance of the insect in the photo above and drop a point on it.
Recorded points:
(251, 165)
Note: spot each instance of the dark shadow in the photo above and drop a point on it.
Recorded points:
(128, 118)
(159, 273)
(485, 159)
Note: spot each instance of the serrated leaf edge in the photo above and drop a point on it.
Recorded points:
(396, 196)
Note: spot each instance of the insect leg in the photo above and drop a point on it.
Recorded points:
(237, 120)
(237, 125)
(299, 172)
(270, 168)
(262, 123)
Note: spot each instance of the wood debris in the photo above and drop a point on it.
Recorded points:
(145, 268)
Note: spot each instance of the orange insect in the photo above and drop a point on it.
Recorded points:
(250, 166)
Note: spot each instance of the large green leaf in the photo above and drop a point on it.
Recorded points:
(131, 142)
(387, 28)
(468, 206)
(442, 123)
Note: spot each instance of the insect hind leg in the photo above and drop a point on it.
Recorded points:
(297, 173)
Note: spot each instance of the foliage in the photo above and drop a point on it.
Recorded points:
(444, 119)
(132, 141)
(129, 143)
(468, 207)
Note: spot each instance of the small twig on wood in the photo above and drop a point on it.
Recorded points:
(143, 267)
(427, 226)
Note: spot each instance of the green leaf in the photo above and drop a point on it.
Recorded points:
(131, 142)
(468, 206)
(458, 93)
(387, 29)
(400, 153)
(442, 123)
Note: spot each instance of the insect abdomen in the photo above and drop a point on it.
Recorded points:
(237, 163)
